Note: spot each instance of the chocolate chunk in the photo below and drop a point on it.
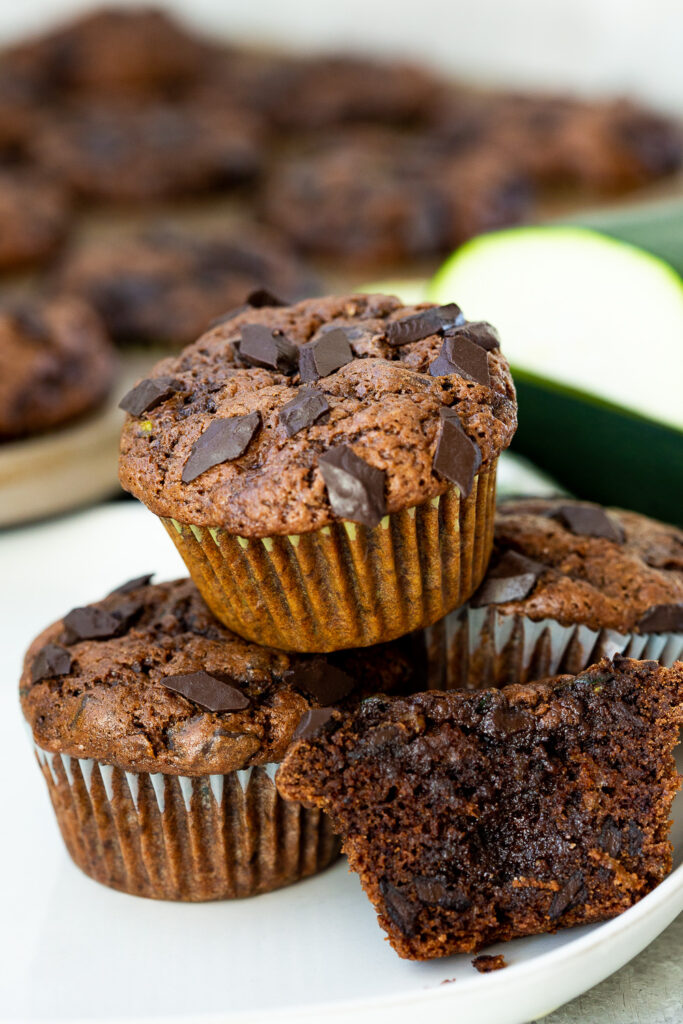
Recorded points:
(208, 691)
(149, 393)
(589, 521)
(51, 660)
(487, 962)
(503, 722)
(261, 298)
(421, 325)
(399, 908)
(327, 683)
(261, 346)
(610, 837)
(355, 489)
(134, 584)
(635, 839)
(461, 356)
(479, 332)
(436, 890)
(661, 618)
(511, 579)
(90, 623)
(308, 405)
(457, 457)
(222, 441)
(311, 722)
(567, 895)
(322, 357)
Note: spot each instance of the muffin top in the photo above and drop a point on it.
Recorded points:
(283, 419)
(35, 218)
(56, 363)
(582, 564)
(146, 679)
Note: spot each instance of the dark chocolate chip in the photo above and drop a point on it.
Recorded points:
(355, 489)
(661, 618)
(510, 579)
(487, 962)
(566, 896)
(610, 837)
(261, 346)
(504, 721)
(222, 441)
(589, 521)
(311, 722)
(208, 691)
(261, 298)
(399, 908)
(479, 332)
(450, 316)
(436, 890)
(134, 584)
(149, 393)
(322, 357)
(327, 683)
(308, 405)
(461, 356)
(51, 660)
(90, 623)
(635, 839)
(457, 457)
(413, 328)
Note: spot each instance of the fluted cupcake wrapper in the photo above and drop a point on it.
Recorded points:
(346, 585)
(481, 647)
(176, 837)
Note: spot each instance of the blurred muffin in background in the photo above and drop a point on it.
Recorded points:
(126, 152)
(166, 284)
(34, 218)
(56, 364)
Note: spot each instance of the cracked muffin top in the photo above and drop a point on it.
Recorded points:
(146, 679)
(239, 429)
(580, 563)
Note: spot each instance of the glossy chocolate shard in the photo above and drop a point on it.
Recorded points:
(207, 690)
(461, 356)
(662, 618)
(420, 325)
(261, 298)
(150, 393)
(511, 579)
(570, 893)
(402, 911)
(457, 457)
(323, 356)
(262, 346)
(479, 332)
(305, 409)
(327, 683)
(222, 441)
(51, 660)
(311, 722)
(589, 521)
(90, 623)
(355, 489)
(134, 584)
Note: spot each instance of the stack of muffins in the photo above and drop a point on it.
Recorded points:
(327, 471)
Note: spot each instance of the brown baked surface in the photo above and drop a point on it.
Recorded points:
(112, 704)
(165, 284)
(34, 218)
(590, 580)
(476, 818)
(56, 364)
(383, 403)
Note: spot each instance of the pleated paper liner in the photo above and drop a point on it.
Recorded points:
(346, 585)
(172, 837)
(481, 647)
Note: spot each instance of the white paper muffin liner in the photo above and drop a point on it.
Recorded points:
(178, 837)
(475, 648)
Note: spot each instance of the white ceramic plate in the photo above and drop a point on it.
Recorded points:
(71, 950)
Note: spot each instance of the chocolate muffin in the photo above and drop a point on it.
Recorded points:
(34, 218)
(379, 199)
(568, 583)
(113, 51)
(158, 733)
(477, 818)
(128, 152)
(56, 364)
(165, 285)
(327, 469)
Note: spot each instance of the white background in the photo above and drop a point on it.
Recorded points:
(628, 46)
